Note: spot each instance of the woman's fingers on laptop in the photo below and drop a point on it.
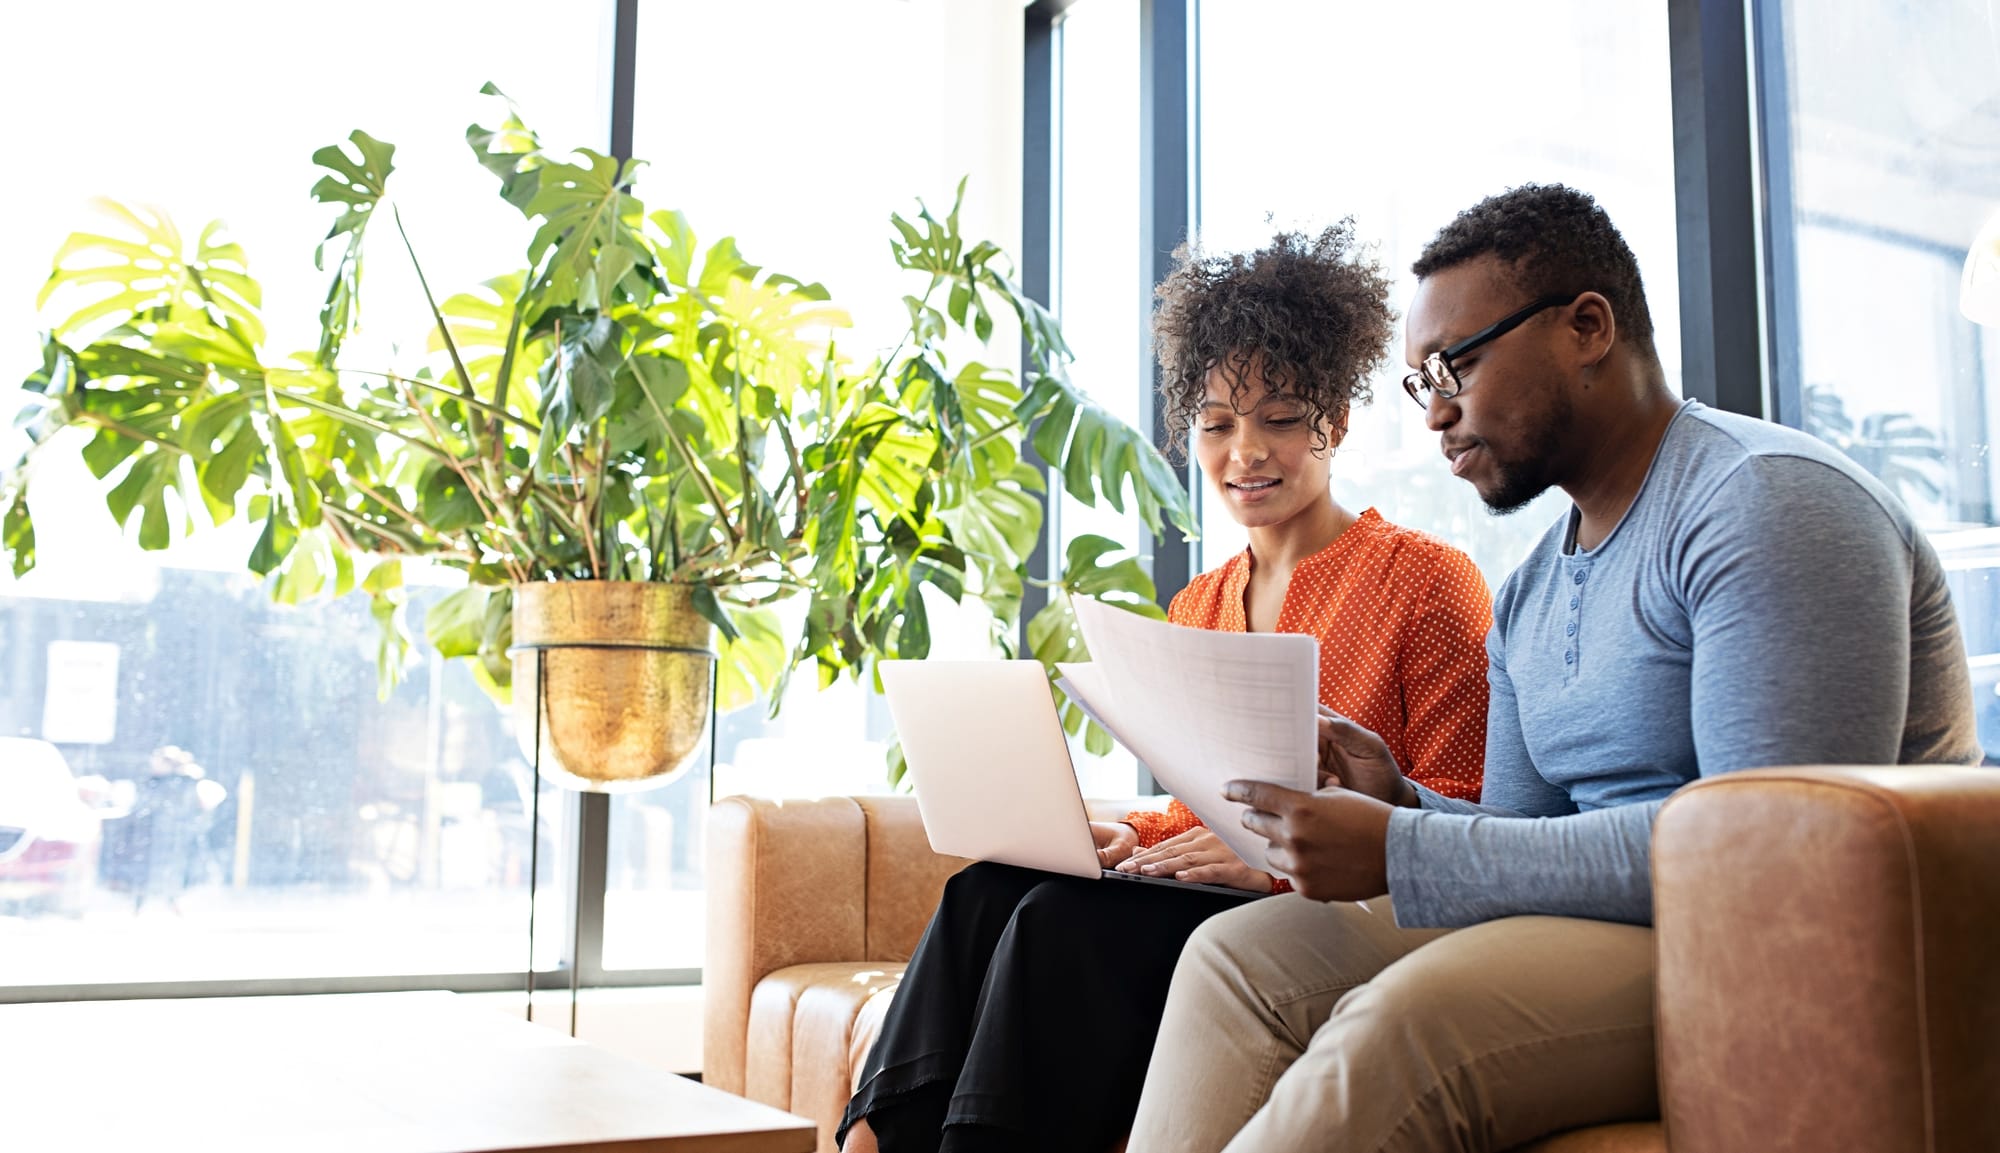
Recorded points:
(1235, 874)
(1197, 855)
(1116, 841)
(1166, 850)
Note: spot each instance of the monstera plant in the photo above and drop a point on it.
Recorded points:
(619, 403)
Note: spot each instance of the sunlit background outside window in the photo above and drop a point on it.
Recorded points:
(1400, 115)
(336, 833)
(1886, 126)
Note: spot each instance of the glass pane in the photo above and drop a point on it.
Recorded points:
(309, 828)
(781, 142)
(1101, 296)
(1577, 94)
(1894, 155)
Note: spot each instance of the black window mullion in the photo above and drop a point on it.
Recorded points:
(1780, 217)
(583, 951)
(1038, 217)
(1164, 212)
(1722, 352)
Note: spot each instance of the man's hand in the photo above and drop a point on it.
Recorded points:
(1333, 844)
(1198, 855)
(1116, 841)
(1354, 758)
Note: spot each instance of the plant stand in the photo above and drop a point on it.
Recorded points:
(541, 650)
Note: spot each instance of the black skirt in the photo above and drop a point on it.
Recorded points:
(1028, 1013)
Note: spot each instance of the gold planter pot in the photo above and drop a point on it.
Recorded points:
(622, 671)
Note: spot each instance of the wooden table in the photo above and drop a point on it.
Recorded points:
(367, 1073)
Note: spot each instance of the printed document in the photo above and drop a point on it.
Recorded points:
(1201, 707)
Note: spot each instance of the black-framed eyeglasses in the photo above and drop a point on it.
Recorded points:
(1436, 376)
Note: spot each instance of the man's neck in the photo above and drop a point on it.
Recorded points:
(1619, 454)
(1276, 550)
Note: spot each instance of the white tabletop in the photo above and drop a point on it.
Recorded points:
(380, 1073)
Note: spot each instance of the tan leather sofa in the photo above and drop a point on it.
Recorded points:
(1829, 946)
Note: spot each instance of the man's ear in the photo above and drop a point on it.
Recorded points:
(1594, 327)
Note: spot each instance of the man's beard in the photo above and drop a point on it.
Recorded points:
(1521, 481)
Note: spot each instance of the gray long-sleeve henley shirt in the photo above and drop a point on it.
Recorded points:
(1763, 602)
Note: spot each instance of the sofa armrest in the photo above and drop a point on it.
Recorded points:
(786, 886)
(841, 879)
(1827, 950)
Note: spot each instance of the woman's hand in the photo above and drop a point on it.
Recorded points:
(1116, 841)
(1197, 855)
(1356, 759)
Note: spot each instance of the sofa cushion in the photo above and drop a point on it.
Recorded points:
(867, 1027)
(803, 1049)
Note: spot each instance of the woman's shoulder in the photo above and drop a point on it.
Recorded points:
(1416, 552)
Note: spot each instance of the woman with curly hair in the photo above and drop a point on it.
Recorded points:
(1028, 1012)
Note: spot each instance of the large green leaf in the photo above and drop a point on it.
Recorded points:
(512, 152)
(142, 491)
(579, 382)
(204, 299)
(281, 533)
(17, 533)
(1098, 455)
(998, 522)
(1123, 583)
(780, 330)
(292, 464)
(589, 241)
(445, 502)
(749, 664)
(386, 605)
(486, 326)
(356, 180)
(456, 625)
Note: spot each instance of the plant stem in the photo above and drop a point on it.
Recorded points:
(514, 567)
(491, 410)
(394, 507)
(695, 470)
(349, 416)
(985, 437)
(582, 483)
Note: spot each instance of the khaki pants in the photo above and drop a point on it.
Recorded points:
(1296, 1025)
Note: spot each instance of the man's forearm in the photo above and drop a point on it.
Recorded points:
(1423, 798)
(1448, 870)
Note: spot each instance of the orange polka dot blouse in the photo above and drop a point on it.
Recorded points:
(1401, 619)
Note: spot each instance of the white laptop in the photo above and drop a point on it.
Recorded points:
(991, 767)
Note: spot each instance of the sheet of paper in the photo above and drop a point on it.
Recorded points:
(1202, 707)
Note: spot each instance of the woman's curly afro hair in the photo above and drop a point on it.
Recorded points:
(1313, 312)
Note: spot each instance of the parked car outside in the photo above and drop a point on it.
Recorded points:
(49, 835)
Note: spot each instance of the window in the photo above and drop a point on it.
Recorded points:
(1401, 116)
(329, 833)
(1100, 292)
(817, 153)
(1883, 145)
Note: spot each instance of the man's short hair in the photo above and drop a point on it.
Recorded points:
(1558, 242)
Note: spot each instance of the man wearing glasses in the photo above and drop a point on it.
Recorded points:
(1723, 594)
